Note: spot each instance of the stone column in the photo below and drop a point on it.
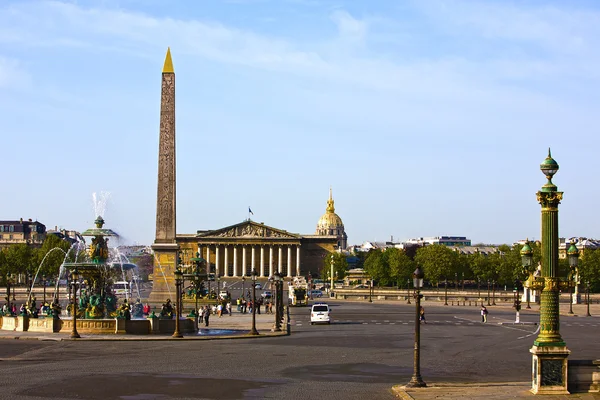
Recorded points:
(253, 258)
(280, 260)
(208, 258)
(243, 260)
(226, 266)
(298, 260)
(235, 263)
(262, 260)
(217, 260)
(271, 265)
(289, 262)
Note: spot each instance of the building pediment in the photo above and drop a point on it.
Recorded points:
(249, 229)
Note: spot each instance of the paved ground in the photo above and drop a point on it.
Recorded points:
(361, 355)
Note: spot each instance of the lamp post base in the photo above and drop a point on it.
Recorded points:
(253, 332)
(416, 382)
(549, 369)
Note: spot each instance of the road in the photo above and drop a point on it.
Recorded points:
(367, 349)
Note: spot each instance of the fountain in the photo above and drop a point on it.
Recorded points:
(98, 271)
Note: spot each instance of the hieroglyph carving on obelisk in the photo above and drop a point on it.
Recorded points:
(165, 206)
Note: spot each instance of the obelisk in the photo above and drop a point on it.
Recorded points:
(165, 246)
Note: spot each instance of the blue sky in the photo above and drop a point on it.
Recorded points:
(426, 117)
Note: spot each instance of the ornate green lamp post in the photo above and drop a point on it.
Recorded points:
(416, 380)
(573, 256)
(253, 331)
(74, 282)
(178, 308)
(549, 349)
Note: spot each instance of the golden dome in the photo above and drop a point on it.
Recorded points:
(329, 220)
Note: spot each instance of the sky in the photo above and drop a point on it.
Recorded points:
(426, 118)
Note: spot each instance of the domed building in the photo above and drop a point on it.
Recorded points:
(330, 224)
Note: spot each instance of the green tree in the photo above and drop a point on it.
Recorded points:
(399, 265)
(589, 269)
(20, 258)
(438, 262)
(340, 266)
(376, 267)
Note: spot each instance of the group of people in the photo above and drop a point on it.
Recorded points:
(31, 309)
(245, 306)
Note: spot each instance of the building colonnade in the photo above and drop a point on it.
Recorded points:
(237, 260)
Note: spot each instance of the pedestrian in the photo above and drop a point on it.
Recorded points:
(484, 313)
(422, 315)
(229, 308)
(146, 309)
(206, 315)
(220, 310)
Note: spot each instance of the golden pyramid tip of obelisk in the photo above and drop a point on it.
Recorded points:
(168, 67)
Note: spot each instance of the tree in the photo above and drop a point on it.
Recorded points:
(438, 262)
(19, 258)
(589, 268)
(399, 265)
(340, 266)
(376, 267)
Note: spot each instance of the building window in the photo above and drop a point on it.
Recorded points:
(11, 228)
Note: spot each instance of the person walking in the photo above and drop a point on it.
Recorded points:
(229, 308)
(484, 313)
(422, 315)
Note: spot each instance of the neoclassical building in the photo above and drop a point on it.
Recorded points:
(236, 250)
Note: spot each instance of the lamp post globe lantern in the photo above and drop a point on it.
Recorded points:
(178, 281)
(417, 380)
(573, 256)
(74, 281)
(254, 275)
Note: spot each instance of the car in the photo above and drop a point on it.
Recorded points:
(320, 313)
(224, 295)
(267, 294)
(258, 286)
(316, 293)
(361, 287)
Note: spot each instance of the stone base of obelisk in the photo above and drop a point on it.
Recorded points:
(163, 274)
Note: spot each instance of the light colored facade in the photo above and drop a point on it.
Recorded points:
(444, 240)
(30, 232)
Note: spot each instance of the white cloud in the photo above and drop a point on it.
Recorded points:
(350, 29)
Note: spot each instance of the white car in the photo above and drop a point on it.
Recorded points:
(320, 313)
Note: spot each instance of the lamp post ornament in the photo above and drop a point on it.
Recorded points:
(549, 349)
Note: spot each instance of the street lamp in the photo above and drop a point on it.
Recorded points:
(573, 256)
(456, 281)
(527, 262)
(587, 294)
(178, 281)
(74, 281)
(446, 291)
(331, 278)
(488, 283)
(517, 301)
(416, 380)
(243, 282)
(549, 350)
(44, 282)
(408, 291)
(371, 291)
(310, 285)
(277, 280)
(254, 275)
